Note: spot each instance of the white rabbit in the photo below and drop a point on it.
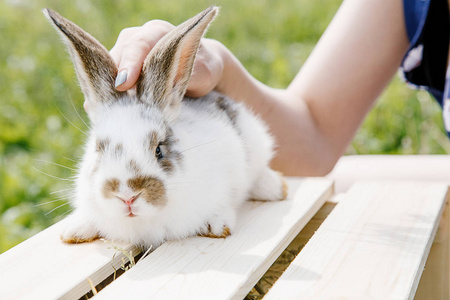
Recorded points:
(158, 166)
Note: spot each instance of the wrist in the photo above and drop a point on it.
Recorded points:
(228, 62)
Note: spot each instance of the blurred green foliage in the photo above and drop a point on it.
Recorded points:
(41, 105)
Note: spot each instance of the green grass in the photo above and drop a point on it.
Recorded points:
(39, 91)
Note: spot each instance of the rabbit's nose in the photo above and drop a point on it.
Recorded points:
(129, 200)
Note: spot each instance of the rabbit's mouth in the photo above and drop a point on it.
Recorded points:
(130, 210)
(131, 215)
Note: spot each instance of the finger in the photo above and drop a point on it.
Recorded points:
(124, 36)
(133, 51)
(208, 69)
(130, 64)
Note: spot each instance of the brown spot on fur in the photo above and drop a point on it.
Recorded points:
(284, 189)
(152, 141)
(166, 165)
(226, 105)
(151, 189)
(79, 240)
(170, 156)
(226, 232)
(133, 167)
(110, 187)
(96, 165)
(101, 145)
(118, 150)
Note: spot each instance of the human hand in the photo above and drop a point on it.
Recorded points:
(134, 43)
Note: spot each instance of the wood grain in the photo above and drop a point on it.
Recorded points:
(43, 267)
(435, 281)
(202, 268)
(290, 253)
(373, 245)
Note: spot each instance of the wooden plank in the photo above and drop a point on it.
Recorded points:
(43, 267)
(435, 281)
(202, 268)
(283, 261)
(373, 245)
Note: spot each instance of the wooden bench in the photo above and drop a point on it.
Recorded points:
(369, 243)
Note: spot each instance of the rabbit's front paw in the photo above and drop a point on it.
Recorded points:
(225, 231)
(219, 227)
(75, 239)
(78, 231)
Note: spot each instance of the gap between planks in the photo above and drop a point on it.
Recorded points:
(279, 266)
(373, 245)
(435, 281)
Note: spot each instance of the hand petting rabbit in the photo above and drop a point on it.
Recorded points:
(159, 166)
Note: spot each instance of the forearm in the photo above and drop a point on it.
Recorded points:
(316, 117)
(302, 149)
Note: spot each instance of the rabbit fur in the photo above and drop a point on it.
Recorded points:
(159, 166)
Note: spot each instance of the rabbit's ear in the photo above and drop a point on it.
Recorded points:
(168, 67)
(94, 66)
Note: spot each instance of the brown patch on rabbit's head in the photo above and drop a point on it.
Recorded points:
(152, 140)
(151, 188)
(110, 187)
(118, 150)
(163, 148)
(133, 167)
(227, 106)
(101, 145)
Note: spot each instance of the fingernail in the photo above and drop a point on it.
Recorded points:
(121, 78)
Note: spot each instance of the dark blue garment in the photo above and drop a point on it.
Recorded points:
(425, 63)
(427, 25)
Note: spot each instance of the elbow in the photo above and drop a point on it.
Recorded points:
(316, 163)
(321, 164)
(325, 165)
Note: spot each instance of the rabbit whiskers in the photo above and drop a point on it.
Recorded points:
(52, 176)
(199, 145)
(55, 164)
(76, 111)
(70, 122)
(62, 195)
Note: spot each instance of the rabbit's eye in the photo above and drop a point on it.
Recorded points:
(158, 152)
